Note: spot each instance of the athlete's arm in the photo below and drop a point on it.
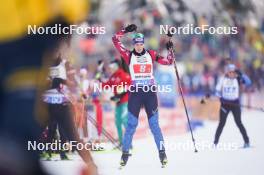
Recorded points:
(120, 47)
(243, 78)
(218, 88)
(160, 59)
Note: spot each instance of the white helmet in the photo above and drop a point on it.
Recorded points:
(230, 68)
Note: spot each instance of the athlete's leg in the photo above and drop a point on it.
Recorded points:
(237, 116)
(52, 126)
(151, 106)
(134, 104)
(58, 115)
(224, 110)
(118, 122)
(124, 112)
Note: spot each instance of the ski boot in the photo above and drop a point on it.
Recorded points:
(163, 158)
(246, 145)
(124, 159)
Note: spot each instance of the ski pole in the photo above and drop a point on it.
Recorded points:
(182, 96)
(105, 133)
(94, 122)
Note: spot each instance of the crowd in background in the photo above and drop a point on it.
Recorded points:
(202, 56)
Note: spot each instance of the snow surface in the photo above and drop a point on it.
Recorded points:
(183, 160)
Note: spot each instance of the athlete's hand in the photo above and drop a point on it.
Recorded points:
(130, 28)
(169, 45)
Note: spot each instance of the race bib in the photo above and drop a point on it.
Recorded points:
(53, 98)
(142, 68)
(230, 89)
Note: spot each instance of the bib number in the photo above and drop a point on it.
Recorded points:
(53, 100)
(142, 68)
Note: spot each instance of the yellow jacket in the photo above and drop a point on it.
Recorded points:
(16, 15)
